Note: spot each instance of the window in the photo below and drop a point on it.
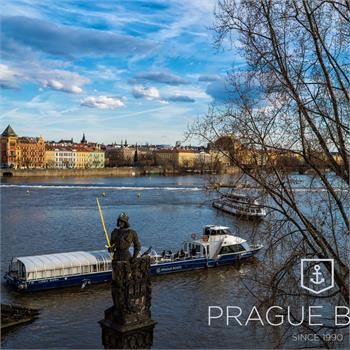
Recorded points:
(101, 266)
(57, 272)
(47, 273)
(230, 249)
(74, 270)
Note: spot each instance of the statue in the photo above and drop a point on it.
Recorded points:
(121, 239)
(128, 324)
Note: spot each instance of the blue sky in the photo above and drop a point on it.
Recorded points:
(141, 70)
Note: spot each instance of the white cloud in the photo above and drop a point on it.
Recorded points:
(59, 80)
(103, 102)
(55, 79)
(150, 93)
(8, 77)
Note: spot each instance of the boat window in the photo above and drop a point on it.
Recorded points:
(59, 272)
(30, 276)
(47, 273)
(232, 249)
(21, 270)
(207, 231)
(39, 274)
(101, 266)
(94, 268)
(85, 269)
(109, 266)
(245, 246)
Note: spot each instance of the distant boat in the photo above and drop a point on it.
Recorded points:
(240, 205)
(217, 246)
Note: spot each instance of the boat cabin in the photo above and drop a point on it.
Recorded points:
(60, 265)
(216, 240)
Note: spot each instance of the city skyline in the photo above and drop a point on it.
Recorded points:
(136, 70)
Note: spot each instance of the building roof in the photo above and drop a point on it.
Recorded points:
(177, 151)
(8, 131)
(77, 148)
(27, 139)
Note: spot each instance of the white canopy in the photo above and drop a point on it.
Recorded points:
(63, 260)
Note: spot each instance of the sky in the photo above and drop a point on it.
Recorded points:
(114, 70)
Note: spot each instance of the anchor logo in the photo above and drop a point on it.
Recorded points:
(318, 280)
(314, 275)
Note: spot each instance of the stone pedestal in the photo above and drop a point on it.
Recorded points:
(128, 324)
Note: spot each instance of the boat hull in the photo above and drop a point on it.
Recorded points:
(99, 277)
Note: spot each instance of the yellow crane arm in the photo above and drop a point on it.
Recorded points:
(103, 223)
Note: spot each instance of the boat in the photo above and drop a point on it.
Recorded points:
(240, 205)
(217, 246)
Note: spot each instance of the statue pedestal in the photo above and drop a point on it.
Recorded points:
(128, 324)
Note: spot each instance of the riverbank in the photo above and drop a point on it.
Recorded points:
(14, 315)
(103, 172)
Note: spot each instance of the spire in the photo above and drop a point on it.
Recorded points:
(8, 131)
(83, 140)
(136, 156)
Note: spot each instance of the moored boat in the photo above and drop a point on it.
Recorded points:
(240, 205)
(217, 246)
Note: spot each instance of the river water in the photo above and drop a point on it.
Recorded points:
(59, 215)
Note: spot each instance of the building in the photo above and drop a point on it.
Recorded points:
(96, 159)
(21, 152)
(60, 158)
(8, 148)
(177, 158)
(31, 152)
(127, 156)
(73, 157)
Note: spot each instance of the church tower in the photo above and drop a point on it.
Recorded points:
(83, 140)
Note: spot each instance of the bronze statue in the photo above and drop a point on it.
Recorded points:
(121, 239)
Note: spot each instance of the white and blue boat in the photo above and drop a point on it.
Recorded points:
(216, 247)
(240, 205)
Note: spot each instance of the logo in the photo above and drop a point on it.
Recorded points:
(317, 275)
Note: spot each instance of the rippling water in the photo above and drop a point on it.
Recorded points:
(58, 215)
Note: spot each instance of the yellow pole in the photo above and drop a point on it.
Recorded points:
(103, 224)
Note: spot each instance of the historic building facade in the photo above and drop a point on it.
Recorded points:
(179, 158)
(8, 148)
(73, 157)
(21, 152)
(31, 152)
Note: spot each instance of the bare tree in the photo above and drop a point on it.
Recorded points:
(292, 99)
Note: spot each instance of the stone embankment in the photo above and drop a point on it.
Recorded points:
(13, 315)
(104, 172)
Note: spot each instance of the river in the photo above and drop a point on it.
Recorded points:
(41, 216)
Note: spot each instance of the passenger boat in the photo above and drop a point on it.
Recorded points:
(217, 246)
(240, 205)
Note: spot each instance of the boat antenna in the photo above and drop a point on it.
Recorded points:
(103, 225)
